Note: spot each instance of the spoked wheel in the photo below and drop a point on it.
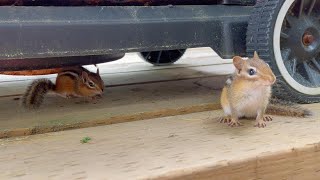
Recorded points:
(286, 34)
(161, 58)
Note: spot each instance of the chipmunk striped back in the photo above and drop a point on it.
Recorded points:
(70, 82)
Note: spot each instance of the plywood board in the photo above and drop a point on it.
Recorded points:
(119, 104)
(193, 146)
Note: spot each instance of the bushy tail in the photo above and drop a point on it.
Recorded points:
(286, 108)
(34, 95)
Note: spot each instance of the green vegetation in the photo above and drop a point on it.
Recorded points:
(85, 140)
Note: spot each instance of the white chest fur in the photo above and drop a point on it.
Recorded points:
(252, 101)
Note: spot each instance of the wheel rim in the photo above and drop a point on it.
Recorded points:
(297, 45)
(163, 57)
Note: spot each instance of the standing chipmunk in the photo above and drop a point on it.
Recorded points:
(70, 82)
(247, 94)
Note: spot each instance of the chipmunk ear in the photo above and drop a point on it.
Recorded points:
(85, 77)
(255, 55)
(238, 62)
(97, 68)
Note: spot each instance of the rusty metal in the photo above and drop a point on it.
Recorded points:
(32, 72)
(307, 39)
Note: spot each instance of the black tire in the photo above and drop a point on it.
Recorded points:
(162, 58)
(299, 80)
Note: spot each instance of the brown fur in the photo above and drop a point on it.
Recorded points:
(35, 93)
(246, 95)
(70, 82)
(286, 108)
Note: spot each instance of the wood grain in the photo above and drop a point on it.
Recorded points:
(193, 146)
(119, 104)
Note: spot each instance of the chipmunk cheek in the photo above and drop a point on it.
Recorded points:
(268, 83)
(265, 81)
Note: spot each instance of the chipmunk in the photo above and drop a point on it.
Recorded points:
(70, 82)
(247, 93)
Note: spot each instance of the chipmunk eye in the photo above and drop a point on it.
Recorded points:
(252, 72)
(91, 84)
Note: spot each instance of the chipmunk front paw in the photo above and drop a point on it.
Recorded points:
(225, 119)
(98, 96)
(70, 96)
(267, 118)
(233, 123)
(260, 124)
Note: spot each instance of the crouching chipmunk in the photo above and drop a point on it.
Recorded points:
(70, 82)
(247, 93)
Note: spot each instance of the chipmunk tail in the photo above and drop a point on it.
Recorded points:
(34, 95)
(287, 108)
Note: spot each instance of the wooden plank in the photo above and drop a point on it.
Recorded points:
(192, 146)
(295, 164)
(135, 90)
(119, 104)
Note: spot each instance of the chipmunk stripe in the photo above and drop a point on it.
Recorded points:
(35, 93)
(72, 74)
(76, 70)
